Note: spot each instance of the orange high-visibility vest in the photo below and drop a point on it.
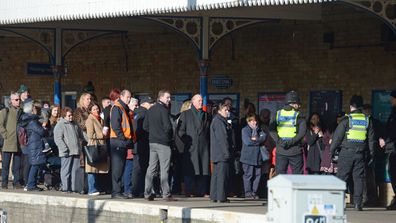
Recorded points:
(125, 123)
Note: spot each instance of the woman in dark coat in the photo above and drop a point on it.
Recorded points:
(35, 135)
(314, 137)
(220, 154)
(193, 129)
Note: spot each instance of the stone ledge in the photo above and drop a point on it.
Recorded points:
(177, 210)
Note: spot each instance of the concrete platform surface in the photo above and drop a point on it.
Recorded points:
(190, 209)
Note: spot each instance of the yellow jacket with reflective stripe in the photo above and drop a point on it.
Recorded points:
(286, 123)
(358, 124)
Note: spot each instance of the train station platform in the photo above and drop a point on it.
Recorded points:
(53, 206)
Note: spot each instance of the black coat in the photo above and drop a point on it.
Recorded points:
(339, 138)
(142, 147)
(390, 134)
(157, 123)
(220, 140)
(195, 135)
(35, 134)
(290, 147)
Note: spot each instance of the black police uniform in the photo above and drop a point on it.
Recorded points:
(289, 152)
(352, 156)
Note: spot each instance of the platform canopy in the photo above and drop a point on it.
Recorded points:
(32, 11)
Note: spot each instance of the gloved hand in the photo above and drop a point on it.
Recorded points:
(284, 144)
(334, 157)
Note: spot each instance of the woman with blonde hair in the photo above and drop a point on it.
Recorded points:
(185, 106)
(80, 116)
(81, 113)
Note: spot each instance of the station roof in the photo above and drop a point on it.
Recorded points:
(28, 11)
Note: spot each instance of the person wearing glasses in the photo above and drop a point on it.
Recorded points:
(67, 136)
(11, 148)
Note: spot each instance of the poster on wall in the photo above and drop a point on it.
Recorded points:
(177, 100)
(327, 103)
(381, 107)
(218, 97)
(272, 101)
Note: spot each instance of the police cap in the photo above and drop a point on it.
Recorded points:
(292, 97)
(356, 101)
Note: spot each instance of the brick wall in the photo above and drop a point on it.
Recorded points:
(265, 57)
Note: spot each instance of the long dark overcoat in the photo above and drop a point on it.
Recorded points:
(195, 134)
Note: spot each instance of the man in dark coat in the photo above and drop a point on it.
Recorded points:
(142, 148)
(389, 144)
(193, 129)
(157, 123)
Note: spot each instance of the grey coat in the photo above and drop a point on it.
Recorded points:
(8, 128)
(67, 137)
(195, 135)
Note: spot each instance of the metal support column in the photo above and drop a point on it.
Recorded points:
(204, 61)
(58, 66)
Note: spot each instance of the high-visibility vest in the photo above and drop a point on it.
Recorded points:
(358, 124)
(287, 123)
(125, 123)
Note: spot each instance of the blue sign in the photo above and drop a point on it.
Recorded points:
(221, 81)
(39, 69)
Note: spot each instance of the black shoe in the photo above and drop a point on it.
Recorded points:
(4, 187)
(35, 189)
(358, 207)
(214, 201)
(128, 195)
(150, 197)
(119, 196)
(225, 201)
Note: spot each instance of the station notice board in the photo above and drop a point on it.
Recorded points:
(272, 101)
(327, 103)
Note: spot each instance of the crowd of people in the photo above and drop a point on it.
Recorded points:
(200, 152)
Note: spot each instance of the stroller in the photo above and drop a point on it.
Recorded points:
(51, 171)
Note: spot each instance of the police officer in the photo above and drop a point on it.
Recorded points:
(352, 135)
(389, 144)
(288, 130)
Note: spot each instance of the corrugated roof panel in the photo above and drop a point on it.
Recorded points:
(28, 11)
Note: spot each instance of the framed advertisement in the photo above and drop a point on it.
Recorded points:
(272, 101)
(218, 97)
(380, 103)
(327, 103)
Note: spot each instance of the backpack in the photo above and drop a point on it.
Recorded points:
(22, 136)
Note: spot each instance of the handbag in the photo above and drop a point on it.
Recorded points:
(95, 154)
(265, 156)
